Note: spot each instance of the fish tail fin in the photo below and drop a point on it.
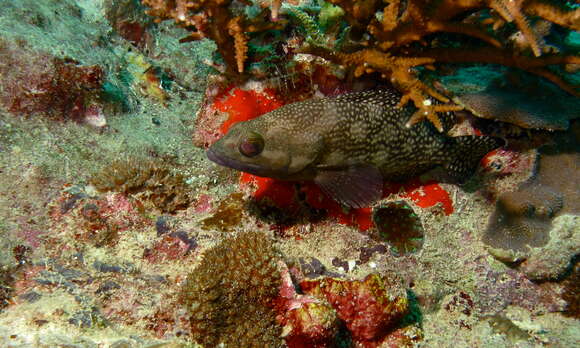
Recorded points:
(465, 153)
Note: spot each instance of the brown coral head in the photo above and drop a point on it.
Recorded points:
(152, 181)
(229, 295)
(523, 218)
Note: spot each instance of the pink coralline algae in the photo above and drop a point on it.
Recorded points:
(98, 221)
(171, 247)
(32, 237)
(370, 309)
(307, 321)
(203, 204)
(502, 289)
(39, 83)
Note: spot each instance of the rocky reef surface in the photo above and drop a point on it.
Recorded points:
(117, 231)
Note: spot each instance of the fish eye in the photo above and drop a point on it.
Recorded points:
(252, 145)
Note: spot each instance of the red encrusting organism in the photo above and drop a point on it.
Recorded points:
(281, 193)
(244, 105)
(424, 194)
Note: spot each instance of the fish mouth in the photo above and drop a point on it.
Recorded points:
(225, 161)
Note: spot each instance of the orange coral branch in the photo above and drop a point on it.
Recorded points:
(506, 58)
(513, 8)
(275, 10)
(215, 20)
(383, 44)
(358, 13)
(465, 29)
(240, 42)
(569, 19)
(399, 71)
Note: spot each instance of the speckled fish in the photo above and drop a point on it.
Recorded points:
(347, 144)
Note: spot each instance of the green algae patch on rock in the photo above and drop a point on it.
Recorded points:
(230, 294)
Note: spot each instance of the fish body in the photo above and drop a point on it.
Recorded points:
(347, 144)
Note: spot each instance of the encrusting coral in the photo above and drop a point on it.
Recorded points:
(230, 294)
(153, 181)
(534, 225)
(523, 218)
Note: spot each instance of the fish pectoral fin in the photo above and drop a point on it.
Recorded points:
(355, 187)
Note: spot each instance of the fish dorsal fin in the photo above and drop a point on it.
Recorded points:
(383, 97)
(356, 187)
